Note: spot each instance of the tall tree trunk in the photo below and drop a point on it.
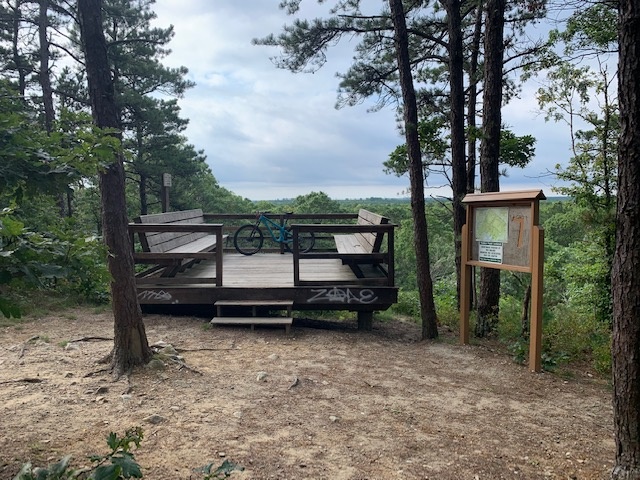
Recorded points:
(18, 60)
(142, 186)
(457, 98)
(472, 105)
(489, 298)
(421, 244)
(609, 203)
(45, 79)
(473, 99)
(130, 341)
(45, 83)
(142, 191)
(626, 273)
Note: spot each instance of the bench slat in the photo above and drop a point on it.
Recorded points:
(164, 241)
(362, 242)
(176, 250)
(199, 245)
(349, 244)
(186, 216)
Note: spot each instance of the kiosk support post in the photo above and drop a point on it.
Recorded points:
(535, 329)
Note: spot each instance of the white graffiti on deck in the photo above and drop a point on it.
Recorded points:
(157, 295)
(342, 295)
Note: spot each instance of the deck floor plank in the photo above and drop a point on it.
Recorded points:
(271, 270)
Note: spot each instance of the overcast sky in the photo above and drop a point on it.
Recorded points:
(270, 134)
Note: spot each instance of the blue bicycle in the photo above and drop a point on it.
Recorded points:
(249, 238)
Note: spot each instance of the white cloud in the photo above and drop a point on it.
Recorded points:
(269, 133)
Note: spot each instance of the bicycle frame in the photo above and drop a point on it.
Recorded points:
(272, 226)
(249, 238)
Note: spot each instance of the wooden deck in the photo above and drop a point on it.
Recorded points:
(267, 276)
(320, 280)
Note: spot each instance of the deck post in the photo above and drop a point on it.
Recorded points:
(365, 320)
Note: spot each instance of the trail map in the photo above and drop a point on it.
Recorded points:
(492, 224)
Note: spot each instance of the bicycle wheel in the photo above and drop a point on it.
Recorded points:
(248, 239)
(306, 241)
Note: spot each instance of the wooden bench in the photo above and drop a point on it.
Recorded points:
(174, 241)
(357, 248)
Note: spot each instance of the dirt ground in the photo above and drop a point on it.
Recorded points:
(326, 402)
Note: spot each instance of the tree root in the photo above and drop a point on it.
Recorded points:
(158, 346)
(96, 372)
(89, 339)
(23, 380)
(182, 365)
(24, 345)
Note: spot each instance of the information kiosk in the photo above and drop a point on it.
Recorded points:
(503, 232)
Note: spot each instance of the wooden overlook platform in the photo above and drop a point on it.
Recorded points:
(358, 279)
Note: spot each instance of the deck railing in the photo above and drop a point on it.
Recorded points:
(165, 258)
(232, 221)
(381, 262)
(384, 259)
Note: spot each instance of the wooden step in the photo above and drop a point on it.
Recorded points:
(254, 304)
(253, 321)
(257, 303)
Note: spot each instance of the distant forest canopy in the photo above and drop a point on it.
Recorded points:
(392, 200)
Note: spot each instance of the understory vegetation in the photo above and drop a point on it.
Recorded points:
(118, 463)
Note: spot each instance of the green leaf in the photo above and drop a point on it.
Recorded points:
(25, 473)
(227, 468)
(128, 466)
(5, 275)
(57, 469)
(11, 227)
(106, 472)
(112, 441)
(9, 309)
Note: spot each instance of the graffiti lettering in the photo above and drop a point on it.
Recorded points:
(159, 295)
(342, 295)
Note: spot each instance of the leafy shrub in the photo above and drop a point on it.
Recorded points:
(408, 304)
(83, 259)
(509, 326)
(569, 334)
(119, 463)
(60, 261)
(573, 335)
(447, 303)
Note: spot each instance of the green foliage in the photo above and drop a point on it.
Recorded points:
(590, 176)
(118, 463)
(59, 260)
(315, 202)
(570, 334)
(433, 147)
(446, 302)
(516, 151)
(28, 162)
(84, 262)
(408, 304)
(592, 26)
(222, 471)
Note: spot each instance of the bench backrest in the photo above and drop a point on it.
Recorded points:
(160, 242)
(370, 241)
